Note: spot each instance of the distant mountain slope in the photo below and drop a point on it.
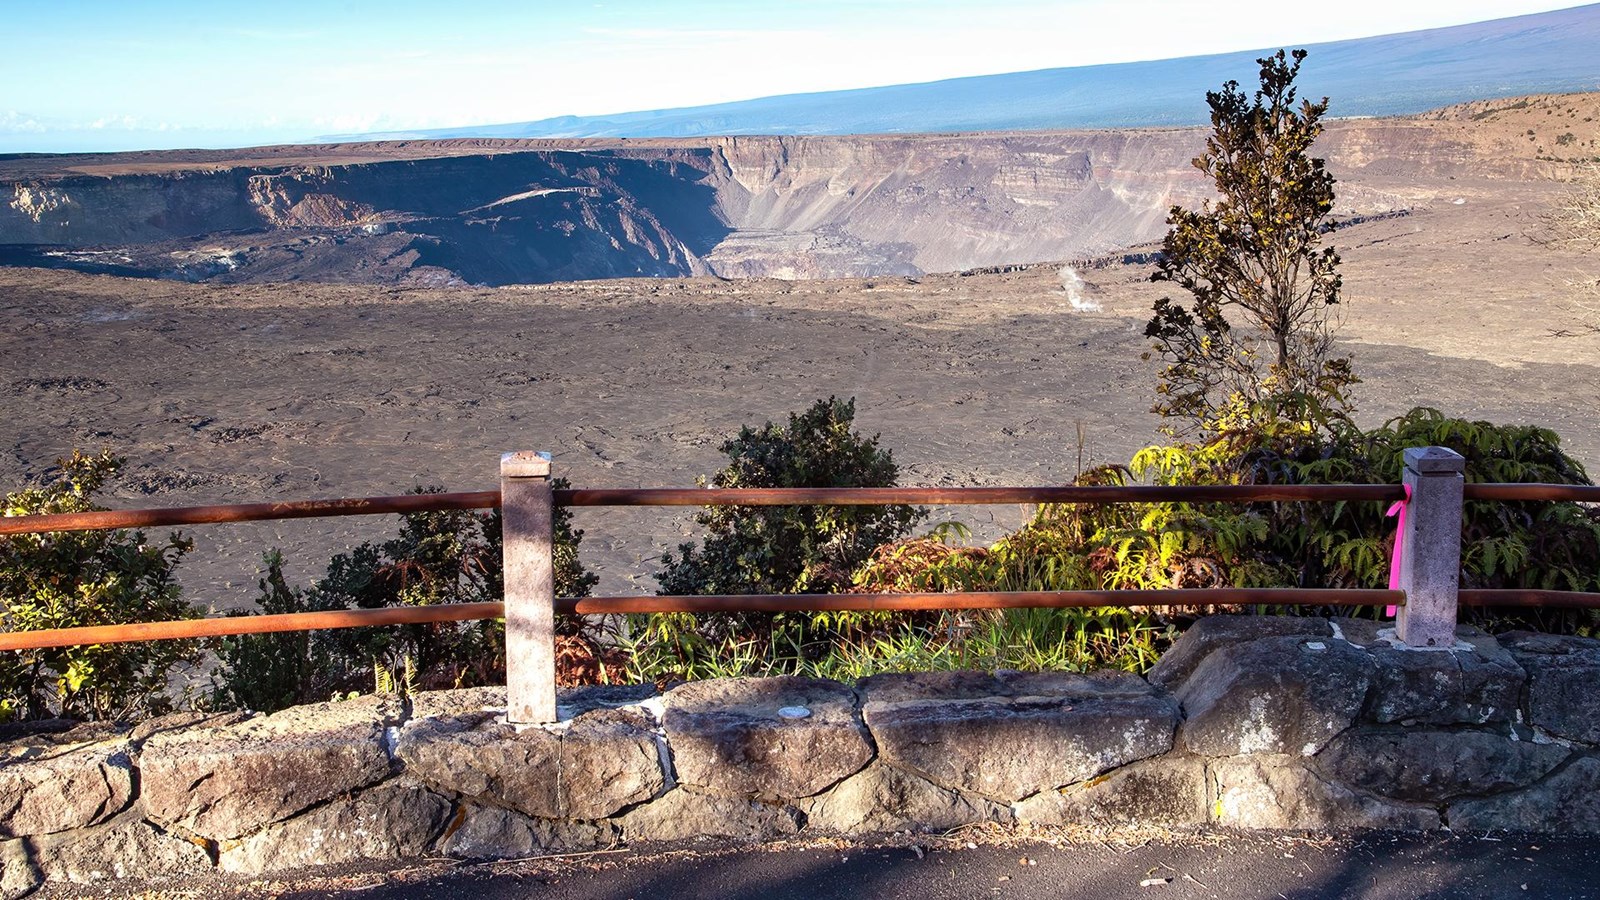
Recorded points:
(1390, 75)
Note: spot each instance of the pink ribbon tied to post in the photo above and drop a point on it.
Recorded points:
(1398, 510)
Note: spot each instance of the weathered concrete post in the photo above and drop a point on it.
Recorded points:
(526, 507)
(1430, 555)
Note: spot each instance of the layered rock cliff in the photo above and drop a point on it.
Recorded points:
(499, 212)
(739, 207)
(494, 219)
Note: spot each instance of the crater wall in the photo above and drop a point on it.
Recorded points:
(497, 212)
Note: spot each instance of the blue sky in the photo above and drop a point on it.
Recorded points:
(86, 75)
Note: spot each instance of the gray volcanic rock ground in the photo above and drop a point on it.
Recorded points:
(973, 863)
(249, 392)
(246, 392)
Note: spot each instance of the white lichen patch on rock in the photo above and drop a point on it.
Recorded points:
(1256, 734)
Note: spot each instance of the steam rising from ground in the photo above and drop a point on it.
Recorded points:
(1073, 283)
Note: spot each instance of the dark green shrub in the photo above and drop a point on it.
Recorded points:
(1504, 545)
(775, 550)
(437, 557)
(272, 671)
(71, 579)
(452, 556)
(791, 549)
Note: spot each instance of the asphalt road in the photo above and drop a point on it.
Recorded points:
(1374, 865)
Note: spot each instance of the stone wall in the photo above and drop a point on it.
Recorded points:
(1276, 723)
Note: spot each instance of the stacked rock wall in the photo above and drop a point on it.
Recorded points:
(1276, 723)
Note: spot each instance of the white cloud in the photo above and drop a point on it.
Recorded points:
(125, 123)
(13, 122)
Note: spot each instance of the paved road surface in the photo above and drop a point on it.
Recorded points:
(1206, 866)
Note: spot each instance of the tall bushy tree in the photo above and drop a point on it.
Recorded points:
(792, 549)
(1255, 334)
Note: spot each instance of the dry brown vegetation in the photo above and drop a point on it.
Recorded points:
(1574, 224)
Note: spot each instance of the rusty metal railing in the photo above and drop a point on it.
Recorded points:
(527, 499)
(915, 496)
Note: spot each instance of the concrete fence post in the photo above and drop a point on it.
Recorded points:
(1430, 554)
(526, 506)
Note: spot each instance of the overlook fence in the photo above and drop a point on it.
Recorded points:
(1425, 590)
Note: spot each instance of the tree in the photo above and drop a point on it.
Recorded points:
(1255, 339)
(792, 549)
(268, 672)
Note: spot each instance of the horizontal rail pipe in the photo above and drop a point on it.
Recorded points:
(1523, 597)
(920, 496)
(101, 520)
(916, 496)
(935, 496)
(1579, 493)
(977, 600)
(460, 612)
(226, 625)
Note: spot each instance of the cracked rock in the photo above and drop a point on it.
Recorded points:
(684, 815)
(1274, 791)
(1432, 766)
(493, 833)
(1566, 802)
(728, 738)
(1273, 695)
(1211, 633)
(394, 820)
(589, 768)
(1013, 734)
(491, 700)
(882, 798)
(126, 847)
(18, 875)
(1169, 792)
(1562, 674)
(48, 784)
(223, 782)
(1476, 683)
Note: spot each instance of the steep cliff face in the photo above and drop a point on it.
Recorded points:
(492, 219)
(83, 211)
(943, 203)
(787, 207)
(490, 212)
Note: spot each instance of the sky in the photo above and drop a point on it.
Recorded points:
(101, 75)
